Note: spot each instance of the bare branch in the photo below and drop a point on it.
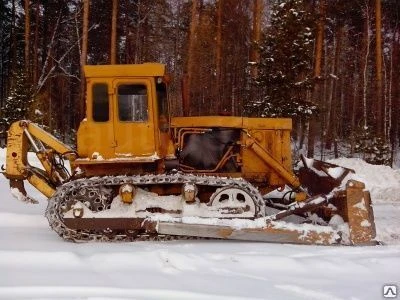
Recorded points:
(43, 77)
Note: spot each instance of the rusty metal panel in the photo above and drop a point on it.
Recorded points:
(109, 224)
(359, 213)
(267, 234)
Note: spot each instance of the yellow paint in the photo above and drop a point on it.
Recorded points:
(127, 194)
(49, 140)
(301, 196)
(232, 122)
(41, 185)
(269, 163)
(17, 149)
(124, 140)
(265, 153)
(125, 71)
(273, 163)
(136, 138)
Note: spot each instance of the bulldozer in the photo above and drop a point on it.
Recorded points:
(138, 173)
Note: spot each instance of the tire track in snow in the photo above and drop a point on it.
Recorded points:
(47, 260)
(77, 292)
(22, 220)
(306, 293)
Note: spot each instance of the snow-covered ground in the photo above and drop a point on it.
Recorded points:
(36, 264)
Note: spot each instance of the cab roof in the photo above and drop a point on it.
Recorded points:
(137, 70)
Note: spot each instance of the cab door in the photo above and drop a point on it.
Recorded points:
(133, 118)
(96, 131)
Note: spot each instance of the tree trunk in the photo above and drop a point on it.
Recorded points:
(354, 112)
(316, 93)
(255, 36)
(218, 58)
(27, 35)
(378, 52)
(113, 50)
(364, 66)
(138, 44)
(13, 47)
(394, 132)
(35, 70)
(190, 58)
(332, 122)
(84, 56)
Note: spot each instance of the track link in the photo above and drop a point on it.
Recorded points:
(66, 193)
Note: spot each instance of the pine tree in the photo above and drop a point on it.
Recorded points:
(375, 150)
(285, 68)
(5, 24)
(16, 105)
(5, 58)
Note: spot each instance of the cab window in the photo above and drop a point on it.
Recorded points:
(162, 107)
(100, 102)
(132, 103)
(162, 99)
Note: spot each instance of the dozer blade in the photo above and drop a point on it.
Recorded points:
(270, 233)
(352, 201)
(320, 177)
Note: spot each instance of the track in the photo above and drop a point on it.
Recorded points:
(70, 191)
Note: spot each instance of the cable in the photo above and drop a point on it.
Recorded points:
(57, 164)
(290, 196)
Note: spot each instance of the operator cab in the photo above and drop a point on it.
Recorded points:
(127, 116)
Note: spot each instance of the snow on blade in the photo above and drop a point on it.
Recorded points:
(335, 172)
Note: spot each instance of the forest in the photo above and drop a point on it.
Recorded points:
(330, 65)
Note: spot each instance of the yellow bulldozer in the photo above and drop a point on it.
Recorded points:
(139, 174)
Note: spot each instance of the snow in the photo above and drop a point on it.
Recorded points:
(127, 188)
(36, 264)
(365, 223)
(336, 221)
(17, 194)
(286, 192)
(382, 181)
(124, 154)
(335, 172)
(144, 200)
(38, 112)
(360, 205)
(97, 156)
